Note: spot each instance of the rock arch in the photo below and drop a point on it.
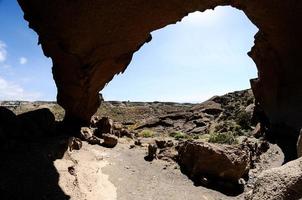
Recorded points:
(91, 41)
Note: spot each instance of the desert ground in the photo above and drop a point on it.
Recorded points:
(138, 150)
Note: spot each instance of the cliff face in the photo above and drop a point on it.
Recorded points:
(91, 41)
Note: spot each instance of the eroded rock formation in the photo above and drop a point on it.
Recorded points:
(91, 41)
(283, 182)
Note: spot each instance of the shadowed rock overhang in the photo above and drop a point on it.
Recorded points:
(90, 41)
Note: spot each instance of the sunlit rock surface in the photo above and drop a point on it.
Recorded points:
(91, 41)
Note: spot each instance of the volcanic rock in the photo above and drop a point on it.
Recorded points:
(200, 159)
(104, 125)
(86, 133)
(284, 182)
(152, 152)
(36, 123)
(110, 141)
(162, 143)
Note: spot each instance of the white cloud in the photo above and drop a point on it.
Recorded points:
(13, 91)
(3, 52)
(23, 60)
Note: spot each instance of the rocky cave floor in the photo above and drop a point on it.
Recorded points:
(134, 150)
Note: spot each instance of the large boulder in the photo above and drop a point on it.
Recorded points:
(280, 183)
(36, 123)
(224, 162)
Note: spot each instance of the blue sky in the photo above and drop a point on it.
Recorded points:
(201, 56)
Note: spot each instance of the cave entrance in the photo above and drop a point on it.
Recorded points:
(203, 55)
(189, 62)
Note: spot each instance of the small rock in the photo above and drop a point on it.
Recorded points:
(109, 140)
(126, 133)
(129, 122)
(93, 140)
(167, 154)
(170, 143)
(104, 125)
(138, 142)
(85, 133)
(199, 130)
(74, 143)
(257, 132)
(161, 143)
(117, 126)
(250, 109)
(72, 171)
(94, 121)
(152, 152)
(241, 181)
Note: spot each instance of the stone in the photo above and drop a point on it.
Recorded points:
(93, 140)
(36, 123)
(128, 122)
(156, 122)
(126, 133)
(170, 143)
(104, 125)
(254, 148)
(152, 152)
(117, 126)
(250, 109)
(167, 154)
(201, 159)
(161, 143)
(257, 132)
(283, 182)
(299, 145)
(199, 130)
(94, 120)
(189, 126)
(110, 141)
(138, 142)
(74, 143)
(86, 133)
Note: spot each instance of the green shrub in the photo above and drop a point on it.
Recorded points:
(223, 138)
(179, 135)
(146, 133)
(244, 119)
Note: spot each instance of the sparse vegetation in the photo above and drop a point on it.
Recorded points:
(146, 133)
(223, 138)
(244, 119)
(203, 137)
(179, 135)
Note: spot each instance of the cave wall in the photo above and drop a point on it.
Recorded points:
(90, 41)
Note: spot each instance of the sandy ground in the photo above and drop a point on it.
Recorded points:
(122, 173)
(85, 179)
(47, 170)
